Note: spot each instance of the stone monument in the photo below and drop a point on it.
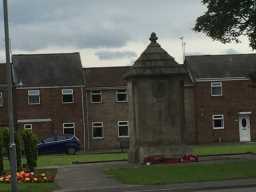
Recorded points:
(156, 105)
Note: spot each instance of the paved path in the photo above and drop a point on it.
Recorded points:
(87, 177)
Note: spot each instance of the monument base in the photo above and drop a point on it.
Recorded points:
(138, 154)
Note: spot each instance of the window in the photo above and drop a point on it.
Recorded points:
(69, 128)
(96, 97)
(218, 121)
(1, 99)
(216, 88)
(97, 130)
(67, 96)
(33, 97)
(28, 126)
(123, 129)
(121, 95)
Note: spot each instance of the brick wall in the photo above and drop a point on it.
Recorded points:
(238, 96)
(51, 107)
(108, 112)
(4, 109)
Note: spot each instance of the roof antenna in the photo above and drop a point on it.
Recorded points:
(183, 45)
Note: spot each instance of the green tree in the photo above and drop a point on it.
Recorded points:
(227, 20)
(1, 153)
(30, 148)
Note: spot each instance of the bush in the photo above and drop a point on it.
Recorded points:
(30, 148)
(1, 154)
(18, 151)
(5, 142)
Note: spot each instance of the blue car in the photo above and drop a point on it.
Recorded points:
(69, 144)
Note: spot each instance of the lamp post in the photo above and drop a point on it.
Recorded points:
(12, 151)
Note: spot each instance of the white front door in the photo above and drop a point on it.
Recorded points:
(244, 128)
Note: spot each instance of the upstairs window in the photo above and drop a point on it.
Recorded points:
(121, 95)
(218, 121)
(96, 96)
(69, 128)
(1, 99)
(28, 127)
(216, 88)
(97, 130)
(33, 97)
(67, 96)
(123, 129)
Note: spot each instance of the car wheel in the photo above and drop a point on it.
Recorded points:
(71, 151)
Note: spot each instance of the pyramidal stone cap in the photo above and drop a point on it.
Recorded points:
(155, 61)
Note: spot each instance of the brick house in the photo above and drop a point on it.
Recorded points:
(55, 95)
(106, 107)
(49, 94)
(224, 96)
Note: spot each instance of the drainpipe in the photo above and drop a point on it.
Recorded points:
(87, 120)
(83, 113)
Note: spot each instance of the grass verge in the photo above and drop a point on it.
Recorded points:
(60, 160)
(53, 160)
(224, 149)
(30, 187)
(169, 174)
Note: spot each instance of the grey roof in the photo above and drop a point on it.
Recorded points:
(155, 56)
(155, 61)
(105, 76)
(221, 66)
(2, 74)
(61, 69)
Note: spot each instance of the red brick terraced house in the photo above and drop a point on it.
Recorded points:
(224, 95)
(49, 96)
(106, 107)
(55, 95)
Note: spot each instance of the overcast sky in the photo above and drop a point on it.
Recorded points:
(108, 32)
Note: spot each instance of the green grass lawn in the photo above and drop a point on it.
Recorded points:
(168, 174)
(59, 160)
(63, 159)
(52, 160)
(38, 187)
(224, 149)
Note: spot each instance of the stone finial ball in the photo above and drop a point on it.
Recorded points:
(153, 38)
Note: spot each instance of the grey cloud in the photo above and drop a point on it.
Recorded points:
(37, 24)
(110, 55)
(231, 51)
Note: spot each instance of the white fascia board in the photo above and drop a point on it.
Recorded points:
(245, 113)
(222, 79)
(51, 87)
(105, 88)
(34, 120)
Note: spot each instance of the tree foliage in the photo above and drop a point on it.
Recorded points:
(30, 148)
(1, 153)
(227, 20)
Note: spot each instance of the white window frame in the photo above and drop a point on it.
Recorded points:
(118, 127)
(217, 117)
(30, 125)
(95, 92)
(97, 126)
(67, 92)
(34, 92)
(216, 84)
(69, 127)
(121, 91)
(1, 99)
